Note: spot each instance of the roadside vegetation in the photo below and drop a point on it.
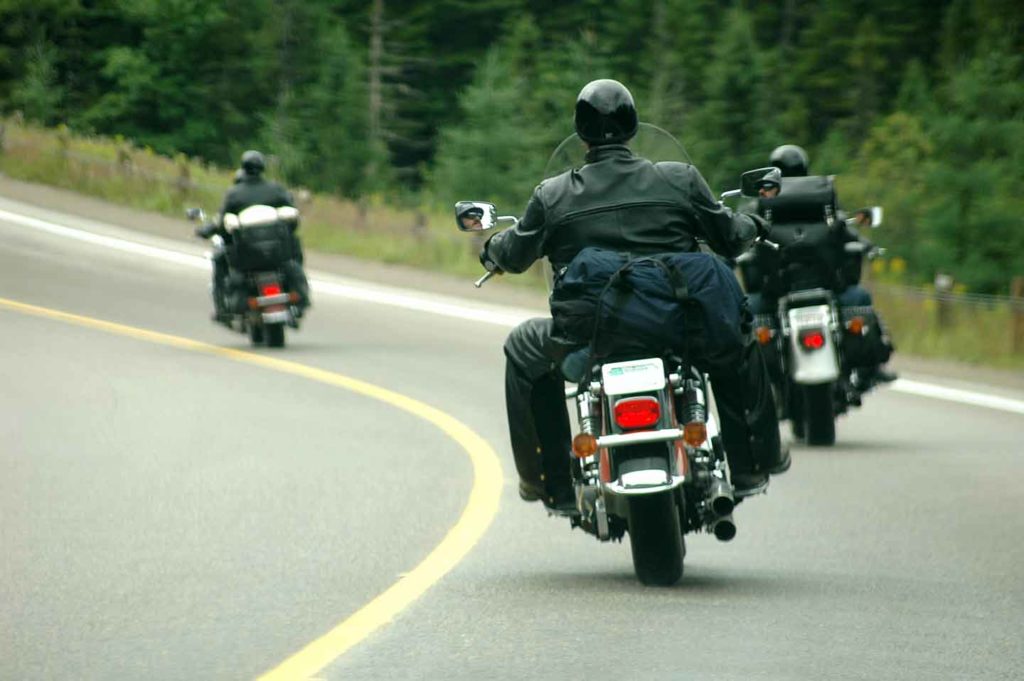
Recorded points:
(387, 111)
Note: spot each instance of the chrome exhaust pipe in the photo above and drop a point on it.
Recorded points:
(720, 497)
(724, 528)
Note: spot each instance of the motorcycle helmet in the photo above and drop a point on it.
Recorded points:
(253, 162)
(790, 159)
(605, 113)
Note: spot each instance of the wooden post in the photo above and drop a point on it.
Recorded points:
(1017, 307)
(944, 307)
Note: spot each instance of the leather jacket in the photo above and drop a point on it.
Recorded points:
(255, 191)
(622, 202)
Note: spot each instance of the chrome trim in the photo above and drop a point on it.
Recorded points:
(644, 437)
(279, 317)
(614, 488)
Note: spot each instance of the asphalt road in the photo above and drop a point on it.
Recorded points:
(170, 514)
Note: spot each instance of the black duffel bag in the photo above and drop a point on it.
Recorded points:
(680, 303)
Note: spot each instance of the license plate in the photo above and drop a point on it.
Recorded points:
(634, 376)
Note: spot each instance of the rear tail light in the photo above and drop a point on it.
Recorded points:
(637, 412)
(271, 289)
(764, 335)
(812, 339)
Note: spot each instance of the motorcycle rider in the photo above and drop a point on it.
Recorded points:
(793, 161)
(251, 189)
(622, 202)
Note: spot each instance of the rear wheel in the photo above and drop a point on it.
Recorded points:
(256, 334)
(655, 538)
(819, 413)
(275, 335)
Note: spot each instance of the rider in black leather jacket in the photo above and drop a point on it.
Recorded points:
(252, 189)
(793, 161)
(622, 202)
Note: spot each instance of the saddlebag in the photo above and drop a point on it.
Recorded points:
(681, 303)
(868, 349)
(261, 247)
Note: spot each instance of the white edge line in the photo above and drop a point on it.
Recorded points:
(446, 308)
(972, 398)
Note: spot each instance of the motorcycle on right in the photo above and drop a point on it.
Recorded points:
(818, 342)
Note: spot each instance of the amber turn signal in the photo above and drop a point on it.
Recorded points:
(694, 433)
(855, 326)
(764, 335)
(584, 445)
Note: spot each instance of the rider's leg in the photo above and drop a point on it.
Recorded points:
(219, 287)
(746, 409)
(537, 417)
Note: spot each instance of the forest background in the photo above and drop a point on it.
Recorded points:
(917, 105)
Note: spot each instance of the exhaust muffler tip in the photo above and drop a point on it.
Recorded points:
(724, 528)
(721, 499)
(723, 505)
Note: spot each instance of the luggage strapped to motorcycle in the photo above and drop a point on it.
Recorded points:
(669, 303)
(693, 338)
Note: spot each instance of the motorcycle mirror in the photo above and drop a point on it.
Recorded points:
(868, 217)
(193, 214)
(475, 216)
(876, 216)
(754, 180)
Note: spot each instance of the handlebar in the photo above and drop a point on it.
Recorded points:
(483, 280)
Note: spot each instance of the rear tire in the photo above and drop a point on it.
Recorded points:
(275, 335)
(655, 539)
(819, 411)
(256, 335)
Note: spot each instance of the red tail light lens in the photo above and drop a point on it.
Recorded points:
(271, 289)
(812, 339)
(637, 412)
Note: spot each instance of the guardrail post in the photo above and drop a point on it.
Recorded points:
(1017, 308)
(943, 304)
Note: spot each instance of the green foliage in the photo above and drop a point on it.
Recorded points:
(917, 104)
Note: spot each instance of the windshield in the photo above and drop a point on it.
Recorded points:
(650, 141)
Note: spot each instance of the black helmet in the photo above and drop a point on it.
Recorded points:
(605, 113)
(253, 162)
(790, 159)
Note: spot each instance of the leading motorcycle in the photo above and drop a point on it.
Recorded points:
(259, 298)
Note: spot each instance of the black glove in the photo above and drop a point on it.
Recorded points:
(486, 260)
(764, 228)
(206, 231)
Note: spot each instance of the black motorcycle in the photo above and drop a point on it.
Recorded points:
(820, 353)
(647, 459)
(259, 298)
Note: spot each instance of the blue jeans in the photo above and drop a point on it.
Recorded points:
(852, 296)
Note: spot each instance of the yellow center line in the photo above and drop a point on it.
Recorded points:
(480, 509)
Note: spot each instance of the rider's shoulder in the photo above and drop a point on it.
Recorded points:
(677, 172)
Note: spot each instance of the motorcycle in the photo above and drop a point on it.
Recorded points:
(647, 457)
(258, 298)
(814, 346)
